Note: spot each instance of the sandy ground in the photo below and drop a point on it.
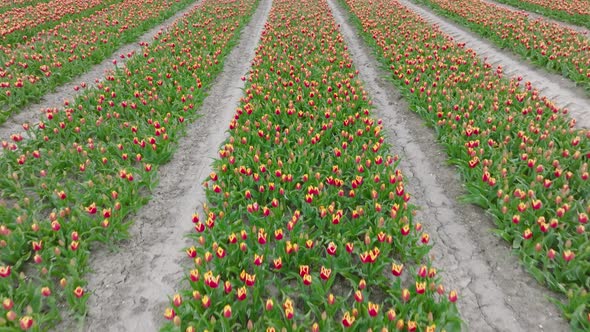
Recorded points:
(535, 16)
(562, 91)
(496, 294)
(31, 113)
(130, 287)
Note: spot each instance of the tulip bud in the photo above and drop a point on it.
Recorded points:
(7, 304)
(26, 323)
(169, 314)
(45, 291)
(227, 311)
(79, 292)
(453, 296)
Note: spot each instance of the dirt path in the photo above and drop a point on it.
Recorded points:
(562, 91)
(131, 287)
(31, 113)
(496, 294)
(535, 16)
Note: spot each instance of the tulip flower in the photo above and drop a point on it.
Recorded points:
(331, 249)
(169, 314)
(397, 269)
(325, 273)
(26, 322)
(227, 311)
(331, 299)
(420, 287)
(269, 304)
(391, 315)
(405, 295)
(206, 301)
(46, 291)
(453, 296)
(177, 300)
(7, 304)
(347, 320)
(373, 309)
(4, 271)
(79, 292)
(568, 255)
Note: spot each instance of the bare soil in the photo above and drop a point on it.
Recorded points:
(495, 293)
(130, 287)
(561, 90)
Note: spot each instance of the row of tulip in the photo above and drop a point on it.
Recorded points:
(307, 224)
(36, 67)
(84, 168)
(6, 5)
(20, 23)
(519, 154)
(553, 46)
(572, 11)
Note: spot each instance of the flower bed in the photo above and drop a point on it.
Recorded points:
(6, 5)
(86, 167)
(552, 46)
(22, 22)
(572, 11)
(307, 225)
(519, 155)
(31, 69)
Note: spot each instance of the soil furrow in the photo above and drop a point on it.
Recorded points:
(560, 90)
(535, 16)
(130, 287)
(489, 278)
(31, 113)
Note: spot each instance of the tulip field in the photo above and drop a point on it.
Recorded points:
(54, 56)
(572, 11)
(552, 46)
(308, 222)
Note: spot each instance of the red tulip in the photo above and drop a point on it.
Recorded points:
(391, 315)
(227, 287)
(358, 296)
(347, 320)
(194, 275)
(325, 273)
(206, 301)
(227, 311)
(258, 259)
(177, 300)
(568, 255)
(420, 287)
(303, 270)
(453, 296)
(527, 234)
(373, 309)
(331, 249)
(278, 263)
(7, 303)
(45, 291)
(241, 293)
(79, 292)
(250, 279)
(26, 322)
